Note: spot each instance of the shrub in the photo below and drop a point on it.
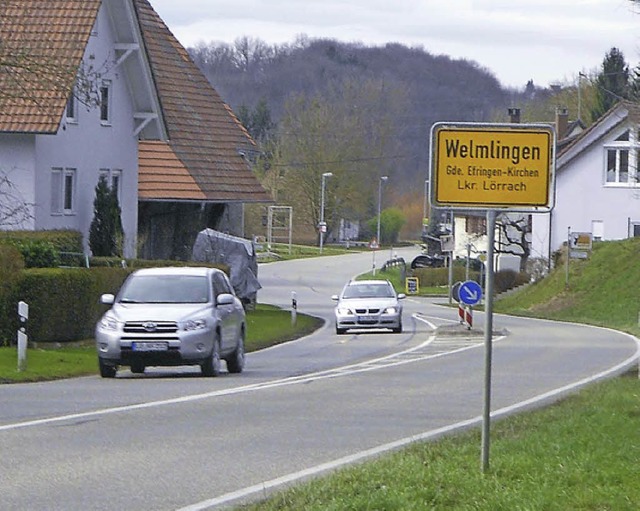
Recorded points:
(433, 277)
(63, 303)
(11, 263)
(105, 232)
(63, 240)
(508, 279)
(38, 253)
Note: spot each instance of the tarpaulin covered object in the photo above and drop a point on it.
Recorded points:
(238, 253)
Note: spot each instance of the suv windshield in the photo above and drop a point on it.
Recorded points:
(165, 289)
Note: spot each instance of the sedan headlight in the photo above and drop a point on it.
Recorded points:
(195, 324)
(344, 311)
(391, 310)
(108, 323)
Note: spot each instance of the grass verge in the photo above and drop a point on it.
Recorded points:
(266, 326)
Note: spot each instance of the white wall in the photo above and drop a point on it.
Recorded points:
(89, 146)
(17, 163)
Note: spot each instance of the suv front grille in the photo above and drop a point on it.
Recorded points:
(150, 327)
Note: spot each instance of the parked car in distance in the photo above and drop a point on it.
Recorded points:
(428, 261)
(368, 304)
(171, 317)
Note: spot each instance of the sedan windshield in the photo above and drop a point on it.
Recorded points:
(166, 289)
(368, 291)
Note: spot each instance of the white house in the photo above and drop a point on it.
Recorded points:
(597, 184)
(92, 88)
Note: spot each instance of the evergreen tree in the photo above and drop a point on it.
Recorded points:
(105, 233)
(612, 83)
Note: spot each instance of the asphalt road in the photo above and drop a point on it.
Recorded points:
(170, 440)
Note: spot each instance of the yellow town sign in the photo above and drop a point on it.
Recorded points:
(492, 166)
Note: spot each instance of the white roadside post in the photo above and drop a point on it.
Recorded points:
(23, 312)
(294, 308)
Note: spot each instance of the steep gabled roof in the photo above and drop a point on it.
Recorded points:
(204, 134)
(611, 119)
(41, 47)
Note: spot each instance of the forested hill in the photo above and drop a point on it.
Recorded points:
(427, 88)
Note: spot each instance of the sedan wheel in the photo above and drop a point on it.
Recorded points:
(137, 367)
(235, 362)
(212, 365)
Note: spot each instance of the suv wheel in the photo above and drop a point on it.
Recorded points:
(211, 366)
(235, 362)
(106, 370)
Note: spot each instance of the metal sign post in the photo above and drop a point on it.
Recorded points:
(488, 332)
(492, 167)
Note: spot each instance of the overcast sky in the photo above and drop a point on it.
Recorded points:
(549, 41)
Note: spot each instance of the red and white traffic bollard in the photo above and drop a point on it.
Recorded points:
(468, 317)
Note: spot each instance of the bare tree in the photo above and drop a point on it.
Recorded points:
(15, 211)
(514, 237)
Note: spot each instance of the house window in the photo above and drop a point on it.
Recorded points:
(105, 103)
(622, 157)
(635, 229)
(113, 177)
(475, 225)
(72, 109)
(63, 189)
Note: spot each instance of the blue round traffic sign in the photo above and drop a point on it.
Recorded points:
(470, 292)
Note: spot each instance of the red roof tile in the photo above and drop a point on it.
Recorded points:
(39, 65)
(162, 176)
(204, 133)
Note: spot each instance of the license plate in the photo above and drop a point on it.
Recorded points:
(149, 346)
(367, 319)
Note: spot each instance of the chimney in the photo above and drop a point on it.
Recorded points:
(562, 122)
(514, 115)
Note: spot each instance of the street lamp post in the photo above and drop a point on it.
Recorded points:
(322, 227)
(382, 180)
(426, 202)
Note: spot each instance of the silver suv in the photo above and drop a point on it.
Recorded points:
(172, 317)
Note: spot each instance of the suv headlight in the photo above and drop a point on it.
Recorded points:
(194, 324)
(108, 323)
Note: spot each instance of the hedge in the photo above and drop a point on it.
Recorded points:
(63, 302)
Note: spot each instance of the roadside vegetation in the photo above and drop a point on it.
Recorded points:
(284, 252)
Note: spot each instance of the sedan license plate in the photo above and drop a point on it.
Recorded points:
(149, 346)
(367, 319)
